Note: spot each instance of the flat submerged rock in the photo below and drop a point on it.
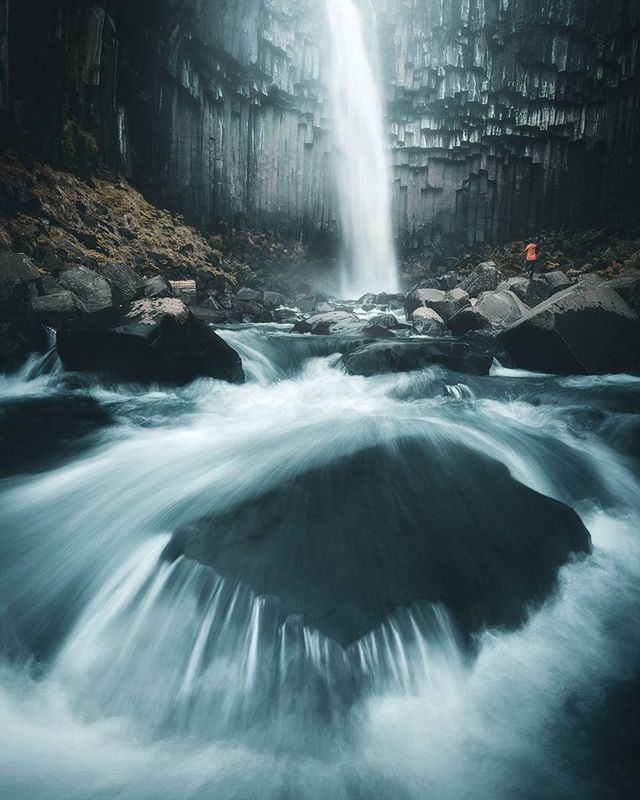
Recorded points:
(345, 544)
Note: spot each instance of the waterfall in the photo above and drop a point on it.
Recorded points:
(361, 166)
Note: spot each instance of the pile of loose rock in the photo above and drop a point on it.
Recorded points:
(113, 319)
(548, 324)
(113, 322)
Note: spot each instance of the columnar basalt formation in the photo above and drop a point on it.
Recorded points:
(505, 116)
(508, 116)
(212, 108)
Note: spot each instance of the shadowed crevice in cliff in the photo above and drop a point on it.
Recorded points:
(345, 544)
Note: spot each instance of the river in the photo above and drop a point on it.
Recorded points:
(128, 674)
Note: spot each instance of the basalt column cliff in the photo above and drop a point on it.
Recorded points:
(508, 116)
(504, 116)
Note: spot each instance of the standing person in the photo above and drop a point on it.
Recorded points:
(531, 256)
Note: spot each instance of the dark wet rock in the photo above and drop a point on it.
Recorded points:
(542, 287)
(341, 323)
(94, 291)
(37, 433)
(250, 311)
(492, 310)
(409, 355)
(187, 291)
(501, 308)
(469, 319)
(587, 329)
(211, 316)
(484, 278)
(58, 308)
(148, 340)
(445, 304)
(20, 339)
(443, 282)
(249, 295)
(518, 285)
(556, 281)
(285, 315)
(272, 300)
(389, 321)
(50, 285)
(324, 307)
(18, 285)
(628, 287)
(156, 286)
(428, 322)
(406, 529)
(127, 283)
(334, 322)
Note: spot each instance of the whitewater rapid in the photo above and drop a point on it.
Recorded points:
(126, 674)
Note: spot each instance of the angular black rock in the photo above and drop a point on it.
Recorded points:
(406, 355)
(343, 545)
(149, 340)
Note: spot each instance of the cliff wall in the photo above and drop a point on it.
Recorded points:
(504, 116)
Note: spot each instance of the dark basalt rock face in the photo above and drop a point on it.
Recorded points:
(414, 523)
(18, 285)
(509, 118)
(405, 356)
(587, 329)
(149, 340)
(18, 340)
(504, 118)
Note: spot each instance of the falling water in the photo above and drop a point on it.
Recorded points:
(361, 167)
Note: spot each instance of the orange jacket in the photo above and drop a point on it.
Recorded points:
(530, 250)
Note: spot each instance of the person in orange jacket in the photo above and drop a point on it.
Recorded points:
(531, 256)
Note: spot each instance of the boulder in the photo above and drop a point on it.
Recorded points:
(389, 321)
(469, 319)
(249, 311)
(484, 278)
(148, 340)
(249, 295)
(331, 322)
(492, 310)
(345, 544)
(18, 277)
(628, 287)
(556, 281)
(500, 308)
(518, 285)
(18, 340)
(543, 286)
(444, 282)
(156, 286)
(56, 309)
(428, 322)
(187, 291)
(94, 291)
(285, 315)
(445, 304)
(125, 280)
(586, 329)
(272, 300)
(210, 316)
(409, 355)
(323, 307)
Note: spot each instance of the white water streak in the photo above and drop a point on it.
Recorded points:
(361, 161)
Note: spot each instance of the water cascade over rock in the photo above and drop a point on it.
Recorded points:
(361, 167)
